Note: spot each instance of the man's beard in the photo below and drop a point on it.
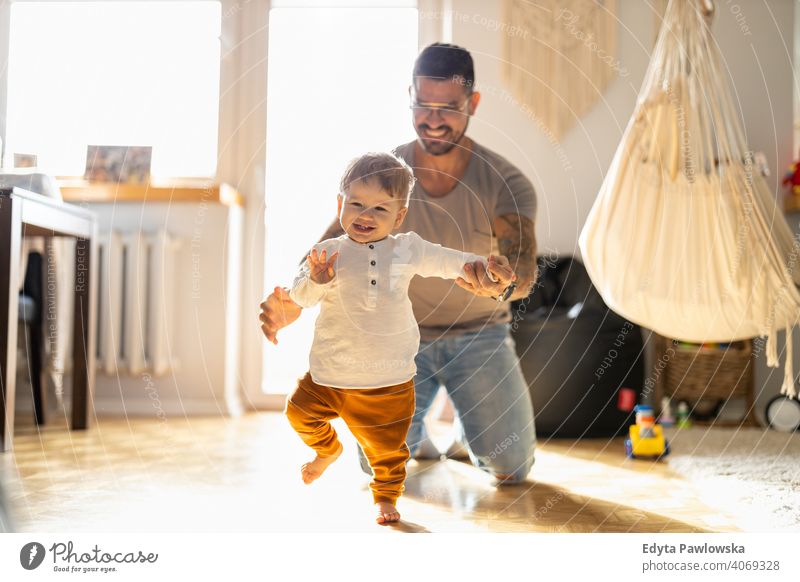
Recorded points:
(439, 146)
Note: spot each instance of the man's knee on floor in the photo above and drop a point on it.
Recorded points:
(509, 478)
(506, 477)
(508, 470)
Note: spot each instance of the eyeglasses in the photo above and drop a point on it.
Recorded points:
(444, 109)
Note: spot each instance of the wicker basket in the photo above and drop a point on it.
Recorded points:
(700, 374)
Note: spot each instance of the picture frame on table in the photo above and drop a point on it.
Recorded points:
(121, 164)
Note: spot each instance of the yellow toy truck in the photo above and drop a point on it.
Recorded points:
(646, 438)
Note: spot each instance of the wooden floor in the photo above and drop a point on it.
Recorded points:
(242, 474)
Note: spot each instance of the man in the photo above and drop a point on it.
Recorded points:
(470, 198)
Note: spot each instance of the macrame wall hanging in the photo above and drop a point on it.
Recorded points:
(685, 236)
(559, 56)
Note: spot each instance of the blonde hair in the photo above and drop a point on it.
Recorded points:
(391, 174)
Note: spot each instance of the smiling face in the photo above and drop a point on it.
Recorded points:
(441, 125)
(368, 213)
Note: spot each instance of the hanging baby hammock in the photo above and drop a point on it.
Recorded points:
(685, 237)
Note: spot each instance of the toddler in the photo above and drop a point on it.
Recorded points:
(366, 338)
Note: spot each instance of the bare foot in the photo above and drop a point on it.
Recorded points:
(312, 470)
(386, 512)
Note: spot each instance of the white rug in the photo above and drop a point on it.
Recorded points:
(753, 473)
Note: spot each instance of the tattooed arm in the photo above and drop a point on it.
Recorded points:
(516, 240)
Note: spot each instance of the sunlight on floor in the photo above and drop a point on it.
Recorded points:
(242, 474)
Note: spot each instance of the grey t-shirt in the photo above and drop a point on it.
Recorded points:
(462, 219)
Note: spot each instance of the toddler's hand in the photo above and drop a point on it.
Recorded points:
(487, 279)
(321, 268)
(499, 270)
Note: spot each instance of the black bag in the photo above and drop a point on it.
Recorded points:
(584, 364)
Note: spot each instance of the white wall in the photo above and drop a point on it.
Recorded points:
(568, 174)
(242, 157)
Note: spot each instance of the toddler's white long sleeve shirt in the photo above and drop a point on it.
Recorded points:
(366, 335)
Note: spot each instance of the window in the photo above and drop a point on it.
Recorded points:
(337, 87)
(115, 73)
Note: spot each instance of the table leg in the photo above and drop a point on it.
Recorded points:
(10, 241)
(83, 355)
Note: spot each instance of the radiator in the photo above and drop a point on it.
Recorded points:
(135, 316)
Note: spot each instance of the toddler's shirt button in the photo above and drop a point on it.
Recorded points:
(372, 263)
(372, 246)
(374, 282)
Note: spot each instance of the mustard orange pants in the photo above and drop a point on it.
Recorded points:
(379, 418)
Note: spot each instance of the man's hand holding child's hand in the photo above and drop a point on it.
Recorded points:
(487, 280)
(320, 268)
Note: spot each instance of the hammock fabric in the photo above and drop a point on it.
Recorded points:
(685, 237)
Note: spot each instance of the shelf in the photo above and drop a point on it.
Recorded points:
(701, 375)
(79, 190)
(698, 349)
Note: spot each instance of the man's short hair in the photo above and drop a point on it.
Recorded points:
(389, 172)
(442, 61)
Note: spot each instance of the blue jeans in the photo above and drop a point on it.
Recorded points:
(481, 373)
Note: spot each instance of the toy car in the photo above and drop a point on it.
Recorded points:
(646, 438)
